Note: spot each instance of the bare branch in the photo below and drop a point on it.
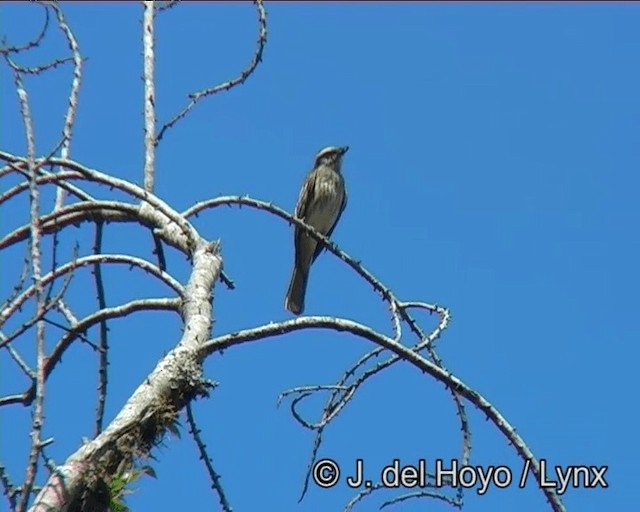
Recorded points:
(19, 360)
(19, 286)
(161, 304)
(36, 265)
(340, 324)
(104, 342)
(455, 502)
(213, 475)
(396, 307)
(175, 381)
(8, 489)
(422, 494)
(91, 260)
(148, 40)
(307, 390)
(178, 377)
(37, 70)
(74, 214)
(67, 313)
(384, 292)
(338, 399)
(73, 322)
(67, 130)
(240, 79)
(187, 230)
(165, 5)
(30, 44)
(45, 178)
(40, 312)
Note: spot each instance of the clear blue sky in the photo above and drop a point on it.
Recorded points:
(494, 169)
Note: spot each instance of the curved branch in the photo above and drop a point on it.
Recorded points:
(188, 231)
(46, 178)
(69, 120)
(47, 306)
(20, 168)
(39, 69)
(408, 355)
(384, 292)
(240, 79)
(90, 260)
(333, 408)
(454, 502)
(31, 44)
(165, 5)
(342, 394)
(161, 304)
(153, 406)
(397, 307)
(95, 211)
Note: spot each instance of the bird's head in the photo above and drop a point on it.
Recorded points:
(331, 156)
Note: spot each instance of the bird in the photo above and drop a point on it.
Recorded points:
(322, 200)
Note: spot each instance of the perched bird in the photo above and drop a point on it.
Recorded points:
(321, 202)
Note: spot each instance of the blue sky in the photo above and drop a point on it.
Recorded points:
(493, 169)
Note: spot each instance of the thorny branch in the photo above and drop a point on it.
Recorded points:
(408, 355)
(399, 309)
(239, 80)
(35, 257)
(104, 331)
(30, 44)
(204, 456)
(178, 378)
(148, 37)
(83, 325)
(148, 199)
(72, 108)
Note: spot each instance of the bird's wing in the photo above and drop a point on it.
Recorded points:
(305, 194)
(303, 243)
(320, 247)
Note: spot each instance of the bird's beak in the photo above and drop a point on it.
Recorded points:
(344, 149)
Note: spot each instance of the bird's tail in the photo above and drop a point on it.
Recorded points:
(294, 301)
